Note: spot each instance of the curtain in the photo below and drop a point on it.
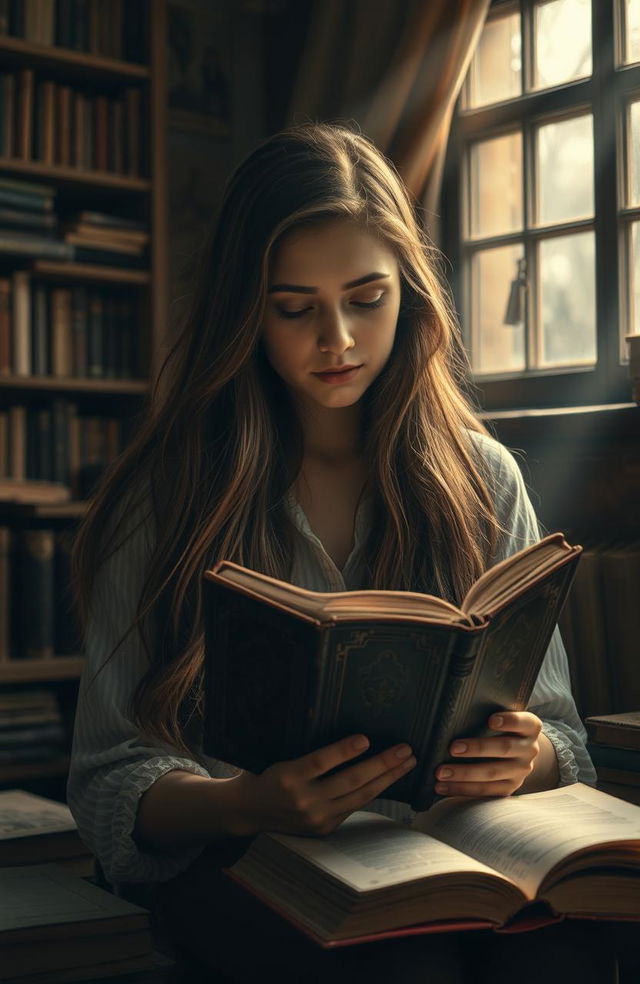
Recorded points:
(395, 68)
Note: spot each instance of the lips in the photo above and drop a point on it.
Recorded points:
(338, 369)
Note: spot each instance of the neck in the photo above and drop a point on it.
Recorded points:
(332, 436)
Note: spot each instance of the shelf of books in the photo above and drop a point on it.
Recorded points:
(83, 276)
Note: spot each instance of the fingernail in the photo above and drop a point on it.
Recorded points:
(360, 742)
(445, 773)
(409, 764)
(498, 721)
(442, 787)
(458, 748)
(403, 752)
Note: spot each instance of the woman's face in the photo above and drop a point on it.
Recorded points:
(318, 317)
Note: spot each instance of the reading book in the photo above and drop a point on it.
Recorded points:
(512, 863)
(288, 670)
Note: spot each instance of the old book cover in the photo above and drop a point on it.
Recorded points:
(289, 670)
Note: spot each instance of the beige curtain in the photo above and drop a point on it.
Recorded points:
(395, 67)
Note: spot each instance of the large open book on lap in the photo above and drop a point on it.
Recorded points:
(511, 863)
(288, 670)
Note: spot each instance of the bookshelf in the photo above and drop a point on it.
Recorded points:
(90, 109)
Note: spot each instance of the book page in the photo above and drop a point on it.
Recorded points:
(525, 836)
(329, 605)
(515, 573)
(370, 851)
(25, 814)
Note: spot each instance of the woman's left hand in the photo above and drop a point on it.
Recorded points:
(509, 758)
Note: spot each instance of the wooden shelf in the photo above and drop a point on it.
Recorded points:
(17, 771)
(90, 271)
(72, 384)
(41, 670)
(79, 63)
(75, 176)
(43, 510)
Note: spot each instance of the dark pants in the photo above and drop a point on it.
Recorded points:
(226, 929)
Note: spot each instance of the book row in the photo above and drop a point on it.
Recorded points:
(55, 443)
(82, 25)
(55, 124)
(600, 627)
(58, 331)
(37, 617)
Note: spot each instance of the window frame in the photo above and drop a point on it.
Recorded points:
(603, 94)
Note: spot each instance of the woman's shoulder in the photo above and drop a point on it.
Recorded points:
(514, 512)
(497, 463)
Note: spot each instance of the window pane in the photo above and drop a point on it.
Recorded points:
(495, 169)
(568, 300)
(631, 15)
(562, 41)
(633, 153)
(565, 170)
(494, 72)
(495, 346)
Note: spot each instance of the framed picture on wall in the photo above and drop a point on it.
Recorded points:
(200, 46)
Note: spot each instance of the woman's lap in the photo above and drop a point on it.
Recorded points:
(225, 928)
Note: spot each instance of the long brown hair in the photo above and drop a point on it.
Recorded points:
(218, 446)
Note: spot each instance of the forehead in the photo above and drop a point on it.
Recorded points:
(333, 249)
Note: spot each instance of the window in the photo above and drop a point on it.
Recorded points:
(541, 202)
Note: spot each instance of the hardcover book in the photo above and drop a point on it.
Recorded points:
(288, 670)
(616, 730)
(464, 864)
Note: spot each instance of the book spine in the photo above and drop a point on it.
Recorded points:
(5, 592)
(454, 700)
(36, 595)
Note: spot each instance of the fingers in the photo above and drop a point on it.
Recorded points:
(322, 760)
(364, 794)
(510, 758)
(516, 722)
(358, 778)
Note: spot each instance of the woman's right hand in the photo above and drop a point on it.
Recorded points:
(297, 797)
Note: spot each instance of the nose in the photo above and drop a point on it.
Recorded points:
(335, 335)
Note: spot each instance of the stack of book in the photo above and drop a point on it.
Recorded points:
(98, 230)
(35, 830)
(29, 227)
(31, 728)
(61, 928)
(614, 746)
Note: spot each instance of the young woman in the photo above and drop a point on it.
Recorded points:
(309, 423)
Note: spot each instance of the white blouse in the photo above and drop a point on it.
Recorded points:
(112, 763)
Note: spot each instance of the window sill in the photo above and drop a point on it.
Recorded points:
(593, 421)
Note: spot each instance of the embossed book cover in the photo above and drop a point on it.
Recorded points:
(288, 670)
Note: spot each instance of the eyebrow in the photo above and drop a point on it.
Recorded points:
(298, 289)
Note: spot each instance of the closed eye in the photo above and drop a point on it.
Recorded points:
(362, 304)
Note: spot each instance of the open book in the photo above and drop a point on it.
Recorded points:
(512, 863)
(288, 670)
